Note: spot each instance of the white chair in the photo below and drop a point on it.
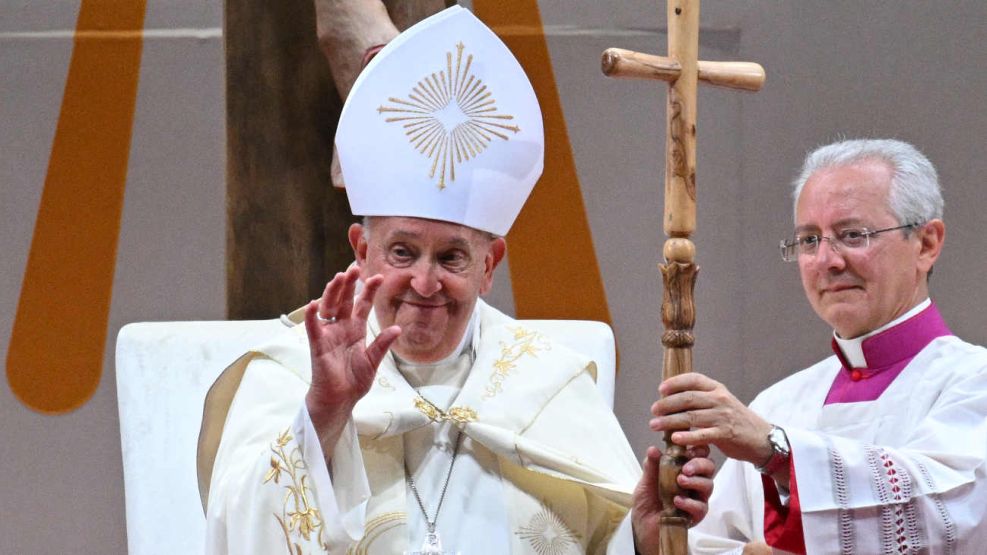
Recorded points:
(165, 369)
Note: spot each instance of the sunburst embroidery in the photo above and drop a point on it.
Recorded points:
(548, 534)
(450, 117)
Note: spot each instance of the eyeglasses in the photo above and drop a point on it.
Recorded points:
(848, 239)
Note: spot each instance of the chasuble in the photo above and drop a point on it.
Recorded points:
(543, 466)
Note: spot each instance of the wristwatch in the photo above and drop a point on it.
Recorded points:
(781, 452)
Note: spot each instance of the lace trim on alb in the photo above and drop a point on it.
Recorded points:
(947, 521)
(888, 528)
(842, 493)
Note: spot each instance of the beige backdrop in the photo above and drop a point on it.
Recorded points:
(910, 69)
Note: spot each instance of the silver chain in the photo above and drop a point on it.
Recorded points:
(411, 482)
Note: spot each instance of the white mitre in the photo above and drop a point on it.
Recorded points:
(442, 124)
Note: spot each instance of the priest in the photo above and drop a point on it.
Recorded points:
(882, 447)
(405, 415)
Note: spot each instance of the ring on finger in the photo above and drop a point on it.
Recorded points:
(325, 319)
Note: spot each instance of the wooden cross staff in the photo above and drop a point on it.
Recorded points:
(682, 70)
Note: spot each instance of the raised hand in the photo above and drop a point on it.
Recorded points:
(343, 366)
(696, 478)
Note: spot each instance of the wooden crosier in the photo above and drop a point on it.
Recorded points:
(682, 70)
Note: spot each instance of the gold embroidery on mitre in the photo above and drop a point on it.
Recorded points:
(459, 415)
(548, 534)
(526, 342)
(450, 117)
(299, 519)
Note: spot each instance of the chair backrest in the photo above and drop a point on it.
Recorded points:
(591, 338)
(164, 370)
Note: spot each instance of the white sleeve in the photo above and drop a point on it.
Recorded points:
(736, 512)
(342, 495)
(270, 485)
(926, 493)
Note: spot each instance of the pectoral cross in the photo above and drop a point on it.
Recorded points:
(682, 70)
(432, 545)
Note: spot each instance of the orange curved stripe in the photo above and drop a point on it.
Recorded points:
(56, 348)
(554, 271)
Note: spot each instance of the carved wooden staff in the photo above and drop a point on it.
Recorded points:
(682, 70)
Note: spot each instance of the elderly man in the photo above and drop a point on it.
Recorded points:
(406, 415)
(880, 448)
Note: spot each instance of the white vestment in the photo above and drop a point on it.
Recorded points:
(543, 466)
(905, 473)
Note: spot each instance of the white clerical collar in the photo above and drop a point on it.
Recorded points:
(853, 349)
(451, 370)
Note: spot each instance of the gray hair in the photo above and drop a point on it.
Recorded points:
(914, 196)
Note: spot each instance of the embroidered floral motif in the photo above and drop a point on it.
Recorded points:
(384, 383)
(430, 411)
(298, 518)
(525, 343)
(548, 534)
(459, 415)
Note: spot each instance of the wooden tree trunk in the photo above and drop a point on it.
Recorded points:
(405, 13)
(286, 230)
